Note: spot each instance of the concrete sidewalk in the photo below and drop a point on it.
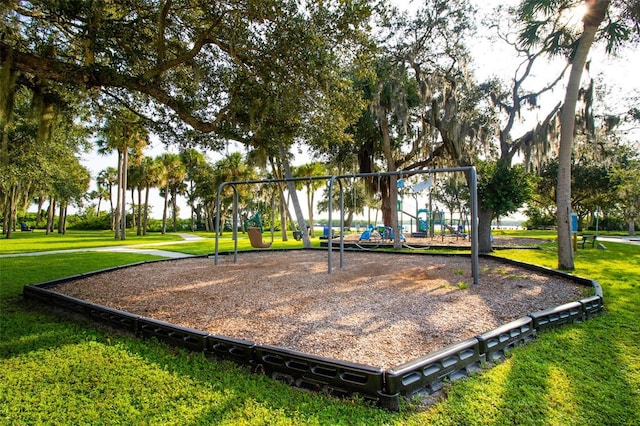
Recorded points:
(626, 240)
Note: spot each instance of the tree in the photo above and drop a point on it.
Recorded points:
(354, 198)
(193, 161)
(413, 86)
(453, 193)
(232, 168)
(540, 19)
(502, 189)
(124, 132)
(592, 186)
(270, 65)
(137, 178)
(107, 179)
(171, 175)
(150, 179)
(70, 187)
(39, 140)
(311, 186)
(628, 192)
(178, 54)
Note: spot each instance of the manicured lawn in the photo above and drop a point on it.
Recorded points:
(60, 371)
(38, 240)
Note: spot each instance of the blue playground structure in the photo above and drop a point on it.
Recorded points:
(381, 234)
(423, 220)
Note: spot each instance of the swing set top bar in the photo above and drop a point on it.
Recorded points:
(332, 178)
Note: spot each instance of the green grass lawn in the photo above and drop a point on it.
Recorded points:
(38, 240)
(59, 371)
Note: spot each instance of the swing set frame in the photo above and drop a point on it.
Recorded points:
(332, 180)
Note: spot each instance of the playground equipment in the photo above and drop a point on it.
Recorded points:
(254, 222)
(457, 232)
(382, 234)
(423, 218)
(255, 236)
(253, 225)
(370, 235)
(338, 179)
(423, 221)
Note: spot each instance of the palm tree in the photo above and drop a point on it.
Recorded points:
(171, 174)
(136, 179)
(535, 14)
(311, 186)
(150, 178)
(105, 181)
(193, 161)
(234, 167)
(123, 132)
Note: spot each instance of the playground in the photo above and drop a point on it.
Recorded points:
(381, 309)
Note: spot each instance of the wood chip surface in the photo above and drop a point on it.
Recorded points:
(380, 309)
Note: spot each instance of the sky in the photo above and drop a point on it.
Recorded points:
(490, 58)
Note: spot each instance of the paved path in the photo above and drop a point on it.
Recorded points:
(627, 240)
(134, 248)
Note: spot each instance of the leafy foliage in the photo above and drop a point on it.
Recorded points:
(501, 188)
(257, 60)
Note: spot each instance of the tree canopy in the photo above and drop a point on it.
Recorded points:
(209, 65)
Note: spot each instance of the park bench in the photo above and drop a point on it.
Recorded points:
(25, 228)
(588, 238)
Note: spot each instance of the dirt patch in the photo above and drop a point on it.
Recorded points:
(379, 310)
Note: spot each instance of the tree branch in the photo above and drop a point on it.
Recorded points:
(50, 69)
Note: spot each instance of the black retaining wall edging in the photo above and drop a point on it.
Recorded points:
(425, 374)
(319, 373)
(494, 343)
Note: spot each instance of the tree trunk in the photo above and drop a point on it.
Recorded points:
(310, 210)
(146, 211)
(118, 211)
(209, 220)
(306, 243)
(139, 221)
(134, 216)
(390, 213)
(349, 219)
(123, 219)
(485, 216)
(563, 195)
(39, 214)
(113, 216)
(284, 210)
(192, 212)
(12, 211)
(62, 218)
(50, 215)
(5, 219)
(174, 210)
(164, 210)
